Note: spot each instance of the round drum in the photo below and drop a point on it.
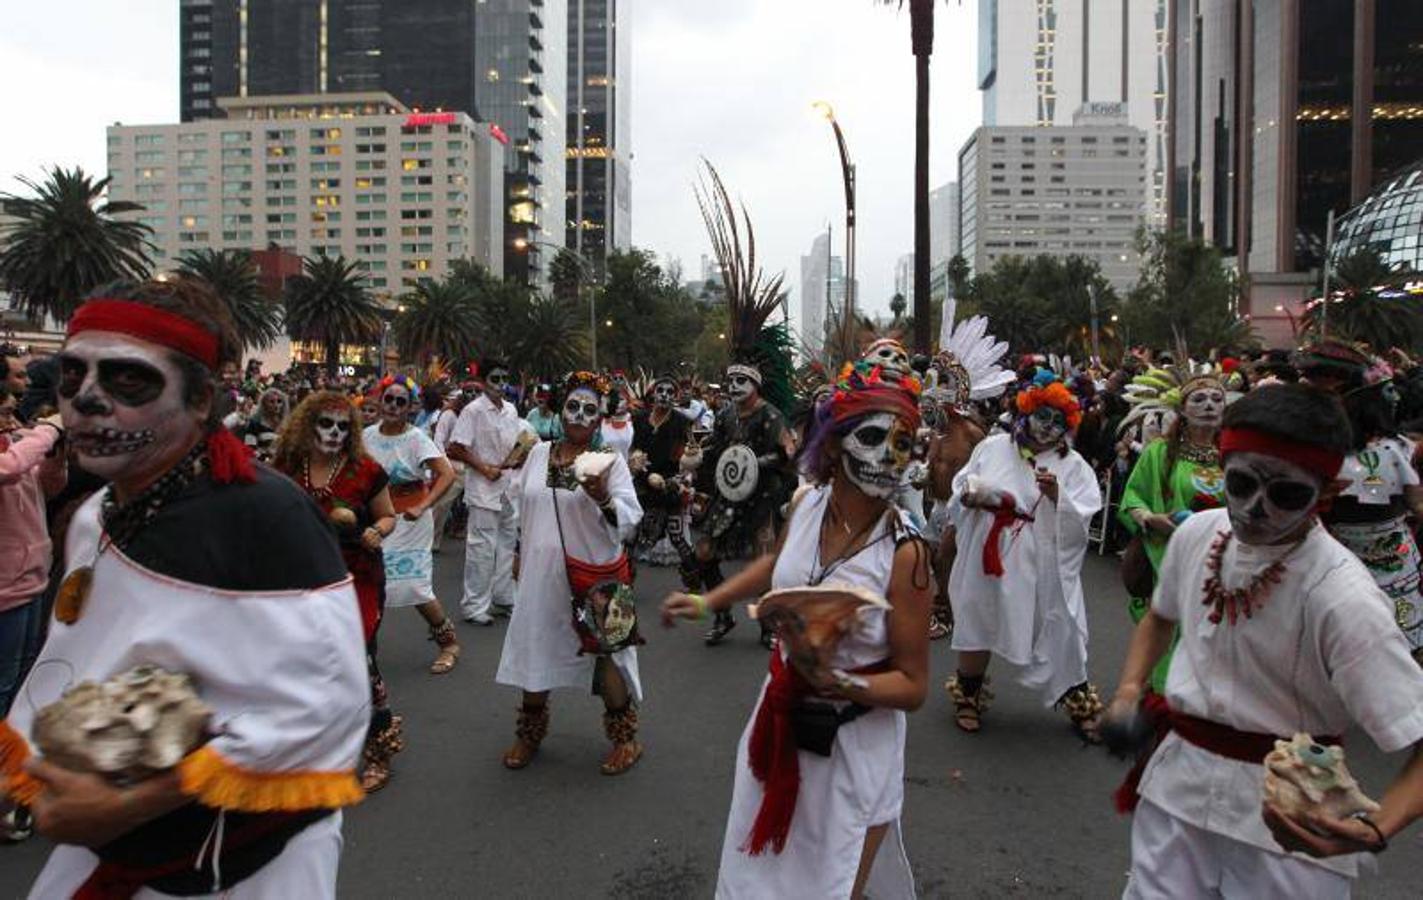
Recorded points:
(737, 473)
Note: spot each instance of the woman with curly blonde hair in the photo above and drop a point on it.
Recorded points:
(320, 448)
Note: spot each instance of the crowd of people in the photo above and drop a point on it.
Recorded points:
(164, 507)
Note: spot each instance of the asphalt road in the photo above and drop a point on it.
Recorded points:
(1021, 809)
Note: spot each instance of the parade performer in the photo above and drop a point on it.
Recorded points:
(1282, 631)
(572, 531)
(197, 561)
(485, 435)
(260, 431)
(659, 438)
(320, 448)
(616, 432)
(826, 822)
(1175, 476)
(964, 372)
(543, 417)
(406, 453)
(1370, 514)
(1021, 506)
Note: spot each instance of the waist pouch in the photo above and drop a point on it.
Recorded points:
(815, 724)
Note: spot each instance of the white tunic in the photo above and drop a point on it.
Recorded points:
(408, 563)
(1033, 616)
(861, 783)
(1320, 655)
(541, 647)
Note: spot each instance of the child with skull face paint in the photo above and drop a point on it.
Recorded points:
(1282, 631)
(198, 560)
(1021, 506)
(802, 823)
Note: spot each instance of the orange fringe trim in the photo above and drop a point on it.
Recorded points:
(220, 783)
(14, 780)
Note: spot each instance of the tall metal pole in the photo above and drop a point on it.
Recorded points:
(592, 326)
(1092, 298)
(1328, 254)
(829, 293)
(921, 13)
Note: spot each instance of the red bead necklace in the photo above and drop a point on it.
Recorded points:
(1230, 604)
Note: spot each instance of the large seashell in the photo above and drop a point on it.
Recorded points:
(1302, 777)
(810, 621)
(343, 518)
(637, 462)
(131, 726)
(592, 465)
(525, 442)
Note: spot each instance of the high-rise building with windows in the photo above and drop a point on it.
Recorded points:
(599, 136)
(1283, 111)
(1039, 61)
(501, 61)
(822, 292)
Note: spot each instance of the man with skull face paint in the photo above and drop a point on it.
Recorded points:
(732, 526)
(1022, 505)
(1282, 631)
(660, 435)
(196, 560)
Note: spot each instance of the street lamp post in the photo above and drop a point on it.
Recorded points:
(588, 276)
(847, 171)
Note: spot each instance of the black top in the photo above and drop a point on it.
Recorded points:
(265, 536)
(761, 431)
(662, 443)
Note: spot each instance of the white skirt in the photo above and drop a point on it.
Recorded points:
(408, 563)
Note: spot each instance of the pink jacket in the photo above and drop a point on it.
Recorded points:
(26, 475)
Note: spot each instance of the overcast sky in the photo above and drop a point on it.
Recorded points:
(731, 80)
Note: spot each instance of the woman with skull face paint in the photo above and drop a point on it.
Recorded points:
(1282, 632)
(1370, 515)
(804, 823)
(320, 448)
(260, 430)
(196, 560)
(571, 526)
(1022, 505)
(1175, 476)
(659, 438)
(406, 452)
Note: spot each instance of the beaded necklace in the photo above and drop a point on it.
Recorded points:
(122, 521)
(1230, 604)
(324, 492)
(1200, 454)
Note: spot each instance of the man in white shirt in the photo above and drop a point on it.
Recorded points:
(484, 435)
(441, 426)
(1282, 630)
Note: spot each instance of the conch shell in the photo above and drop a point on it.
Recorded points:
(343, 518)
(810, 621)
(525, 442)
(127, 728)
(691, 458)
(1302, 777)
(637, 461)
(593, 464)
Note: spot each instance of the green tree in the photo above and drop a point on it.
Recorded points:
(233, 275)
(554, 340)
(439, 318)
(566, 275)
(959, 274)
(897, 305)
(1187, 294)
(1362, 315)
(655, 320)
(504, 310)
(328, 303)
(65, 240)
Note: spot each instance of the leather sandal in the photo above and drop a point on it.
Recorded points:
(621, 758)
(444, 637)
(968, 708)
(530, 731)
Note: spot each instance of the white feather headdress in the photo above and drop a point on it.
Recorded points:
(975, 350)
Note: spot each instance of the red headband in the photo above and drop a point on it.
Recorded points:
(1322, 462)
(149, 323)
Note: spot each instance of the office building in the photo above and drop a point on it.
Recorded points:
(822, 293)
(400, 193)
(1039, 61)
(943, 224)
(1388, 222)
(599, 136)
(501, 61)
(1077, 190)
(904, 275)
(1283, 111)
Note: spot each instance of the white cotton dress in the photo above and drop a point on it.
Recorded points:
(541, 647)
(861, 783)
(409, 565)
(1033, 616)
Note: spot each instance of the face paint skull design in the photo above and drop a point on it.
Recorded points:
(333, 427)
(664, 393)
(889, 355)
(122, 403)
(1204, 407)
(740, 387)
(494, 383)
(395, 404)
(1268, 498)
(582, 409)
(1047, 426)
(876, 453)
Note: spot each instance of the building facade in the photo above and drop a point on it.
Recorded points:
(1078, 190)
(1039, 61)
(501, 61)
(401, 194)
(1282, 112)
(599, 135)
(822, 293)
(943, 224)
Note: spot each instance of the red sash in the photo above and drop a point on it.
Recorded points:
(1004, 515)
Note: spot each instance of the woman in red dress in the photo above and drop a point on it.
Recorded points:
(320, 449)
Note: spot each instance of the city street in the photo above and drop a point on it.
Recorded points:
(1023, 809)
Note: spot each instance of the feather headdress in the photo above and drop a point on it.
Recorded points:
(1159, 392)
(967, 364)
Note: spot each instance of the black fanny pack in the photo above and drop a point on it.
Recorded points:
(815, 724)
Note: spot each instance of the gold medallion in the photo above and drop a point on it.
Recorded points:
(73, 594)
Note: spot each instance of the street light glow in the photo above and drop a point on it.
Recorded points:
(521, 244)
(825, 110)
(608, 322)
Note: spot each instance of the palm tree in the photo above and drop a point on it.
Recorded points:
(439, 318)
(897, 305)
(233, 275)
(554, 340)
(65, 241)
(328, 302)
